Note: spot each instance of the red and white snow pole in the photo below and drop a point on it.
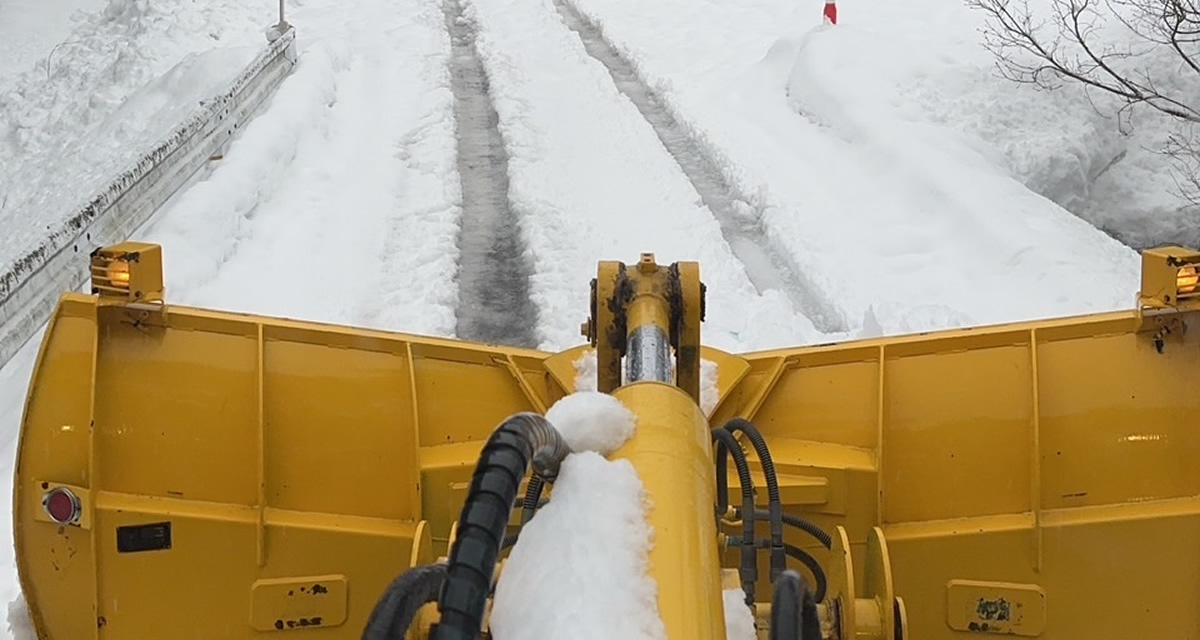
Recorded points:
(830, 11)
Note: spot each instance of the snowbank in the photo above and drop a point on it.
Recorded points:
(129, 74)
(205, 224)
(84, 166)
(31, 29)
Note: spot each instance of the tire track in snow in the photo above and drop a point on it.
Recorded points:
(493, 278)
(767, 266)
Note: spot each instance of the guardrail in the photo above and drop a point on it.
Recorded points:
(31, 286)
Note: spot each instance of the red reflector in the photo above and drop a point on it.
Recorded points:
(62, 506)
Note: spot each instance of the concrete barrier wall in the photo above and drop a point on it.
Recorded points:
(30, 288)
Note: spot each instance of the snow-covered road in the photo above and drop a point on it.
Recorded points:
(458, 167)
(494, 268)
(590, 181)
(340, 202)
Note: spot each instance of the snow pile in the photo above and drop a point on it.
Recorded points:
(579, 569)
(739, 620)
(592, 421)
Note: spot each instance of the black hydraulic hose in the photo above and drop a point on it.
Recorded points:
(396, 610)
(728, 445)
(774, 502)
(803, 556)
(722, 480)
(806, 526)
(815, 567)
(522, 439)
(793, 609)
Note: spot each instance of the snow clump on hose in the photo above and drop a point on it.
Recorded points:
(592, 421)
(580, 567)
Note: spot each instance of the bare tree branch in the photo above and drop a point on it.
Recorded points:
(1185, 152)
(1142, 53)
(1025, 54)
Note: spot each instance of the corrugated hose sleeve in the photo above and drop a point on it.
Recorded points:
(398, 607)
(521, 440)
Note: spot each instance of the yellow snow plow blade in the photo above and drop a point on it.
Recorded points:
(187, 473)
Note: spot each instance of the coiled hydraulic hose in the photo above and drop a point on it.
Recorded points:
(529, 506)
(533, 495)
(774, 503)
(793, 610)
(521, 439)
(727, 445)
(396, 610)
